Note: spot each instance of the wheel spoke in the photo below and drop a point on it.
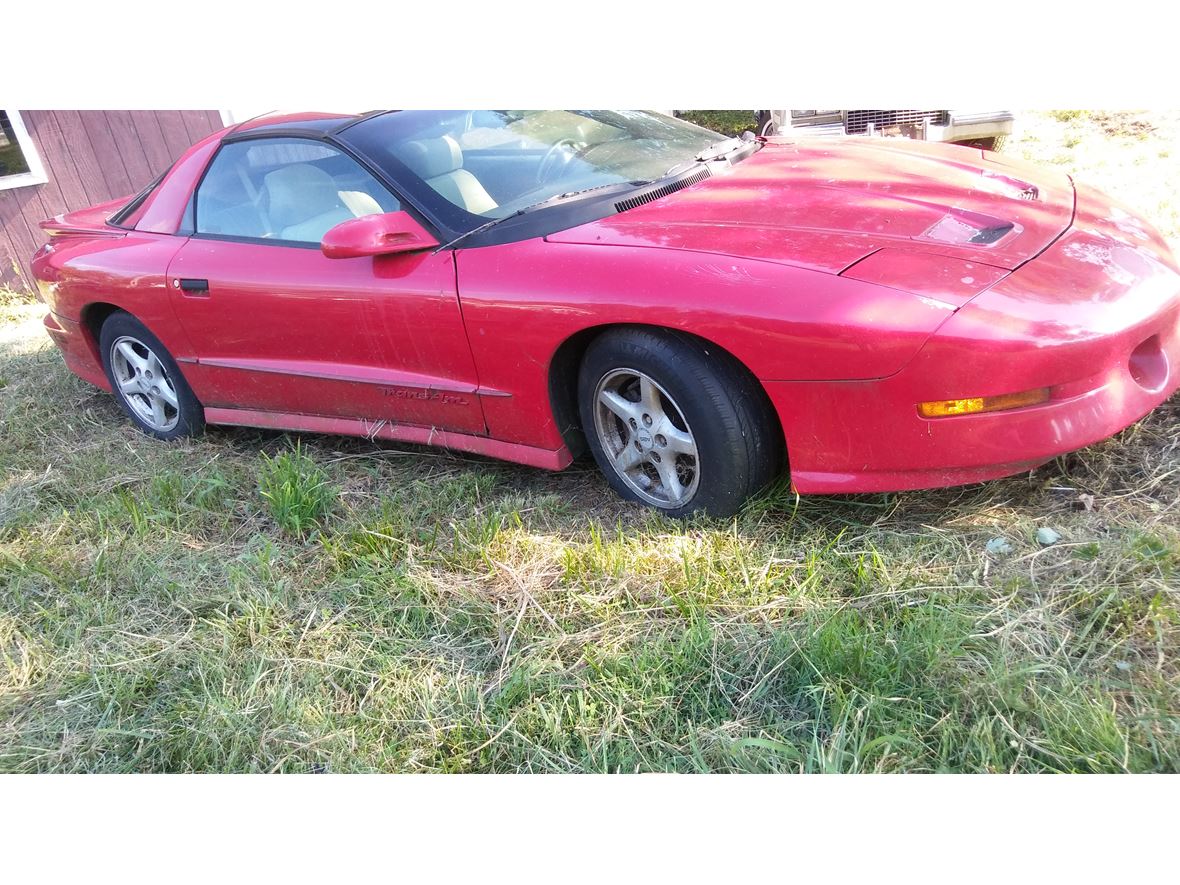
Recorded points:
(167, 394)
(615, 401)
(670, 480)
(629, 458)
(142, 404)
(133, 359)
(679, 441)
(154, 366)
(649, 398)
(129, 386)
(157, 406)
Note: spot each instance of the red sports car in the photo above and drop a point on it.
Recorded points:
(696, 311)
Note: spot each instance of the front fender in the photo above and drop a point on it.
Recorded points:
(521, 301)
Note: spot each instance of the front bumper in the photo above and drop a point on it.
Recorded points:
(868, 437)
(1095, 318)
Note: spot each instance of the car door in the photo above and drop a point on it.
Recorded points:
(277, 327)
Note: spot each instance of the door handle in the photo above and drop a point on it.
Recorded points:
(192, 286)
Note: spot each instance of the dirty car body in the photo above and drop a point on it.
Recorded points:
(913, 314)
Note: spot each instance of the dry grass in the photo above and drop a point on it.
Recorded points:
(1131, 155)
(427, 612)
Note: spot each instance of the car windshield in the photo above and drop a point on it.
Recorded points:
(471, 167)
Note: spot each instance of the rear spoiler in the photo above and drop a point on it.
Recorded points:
(91, 222)
(59, 227)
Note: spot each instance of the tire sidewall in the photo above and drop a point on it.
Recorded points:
(191, 419)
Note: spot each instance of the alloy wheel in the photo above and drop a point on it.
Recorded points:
(646, 437)
(144, 384)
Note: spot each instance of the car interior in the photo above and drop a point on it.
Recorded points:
(285, 190)
(439, 163)
(491, 163)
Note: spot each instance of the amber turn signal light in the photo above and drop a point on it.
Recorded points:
(975, 404)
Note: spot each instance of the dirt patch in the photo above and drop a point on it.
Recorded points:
(1130, 123)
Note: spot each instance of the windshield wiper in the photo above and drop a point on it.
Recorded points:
(597, 187)
(538, 205)
(679, 167)
(720, 149)
(715, 151)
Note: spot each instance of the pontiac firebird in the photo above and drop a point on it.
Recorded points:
(700, 313)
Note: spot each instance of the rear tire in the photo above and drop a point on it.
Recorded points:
(146, 381)
(675, 423)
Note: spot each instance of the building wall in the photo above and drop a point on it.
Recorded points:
(89, 157)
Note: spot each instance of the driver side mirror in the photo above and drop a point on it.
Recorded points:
(374, 235)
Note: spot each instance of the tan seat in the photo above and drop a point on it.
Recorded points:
(360, 204)
(303, 203)
(439, 162)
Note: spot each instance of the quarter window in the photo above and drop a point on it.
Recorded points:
(285, 190)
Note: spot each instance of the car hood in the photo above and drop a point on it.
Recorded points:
(825, 204)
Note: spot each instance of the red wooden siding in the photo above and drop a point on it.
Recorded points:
(89, 157)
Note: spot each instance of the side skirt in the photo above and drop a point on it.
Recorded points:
(427, 436)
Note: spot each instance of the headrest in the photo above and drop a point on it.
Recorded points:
(430, 157)
(299, 192)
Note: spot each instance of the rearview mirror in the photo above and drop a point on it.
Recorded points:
(376, 235)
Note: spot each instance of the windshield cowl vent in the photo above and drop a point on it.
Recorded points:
(662, 191)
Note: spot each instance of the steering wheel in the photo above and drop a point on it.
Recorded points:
(549, 162)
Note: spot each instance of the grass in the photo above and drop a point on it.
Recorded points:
(1125, 153)
(295, 488)
(12, 159)
(726, 122)
(252, 601)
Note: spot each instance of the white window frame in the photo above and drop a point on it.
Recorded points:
(36, 173)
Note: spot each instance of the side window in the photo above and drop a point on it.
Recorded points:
(285, 189)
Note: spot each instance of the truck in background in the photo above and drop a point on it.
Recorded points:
(984, 129)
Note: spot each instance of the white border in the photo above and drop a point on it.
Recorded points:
(36, 173)
(589, 828)
(659, 54)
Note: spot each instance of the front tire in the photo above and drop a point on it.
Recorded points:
(675, 423)
(146, 380)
